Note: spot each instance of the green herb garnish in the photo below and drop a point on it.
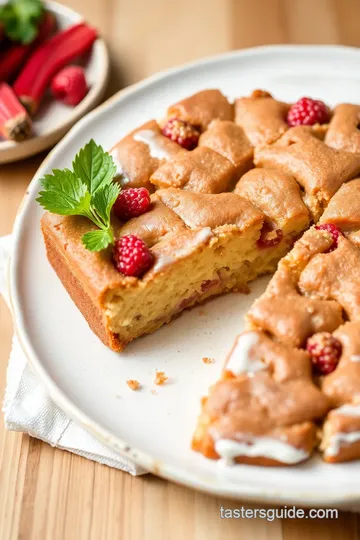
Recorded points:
(21, 18)
(88, 190)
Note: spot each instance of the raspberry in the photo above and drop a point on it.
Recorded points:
(307, 112)
(333, 230)
(131, 203)
(69, 85)
(269, 237)
(185, 134)
(131, 255)
(325, 351)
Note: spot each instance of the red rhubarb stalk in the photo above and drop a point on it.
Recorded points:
(48, 59)
(15, 57)
(15, 123)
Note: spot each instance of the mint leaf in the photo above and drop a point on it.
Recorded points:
(21, 18)
(87, 191)
(95, 167)
(103, 200)
(64, 193)
(98, 240)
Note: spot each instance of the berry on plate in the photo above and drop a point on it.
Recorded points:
(69, 85)
(185, 134)
(307, 112)
(325, 351)
(131, 255)
(131, 203)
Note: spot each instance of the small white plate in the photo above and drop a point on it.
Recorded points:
(54, 119)
(88, 381)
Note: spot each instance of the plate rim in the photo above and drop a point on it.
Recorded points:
(11, 152)
(171, 472)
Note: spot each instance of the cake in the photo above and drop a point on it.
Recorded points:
(303, 333)
(232, 190)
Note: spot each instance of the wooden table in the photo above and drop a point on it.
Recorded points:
(51, 494)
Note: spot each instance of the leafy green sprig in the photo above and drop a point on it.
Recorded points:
(88, 190)
(20, 19)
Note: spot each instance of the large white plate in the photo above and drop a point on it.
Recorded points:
(88, 381)
(54, 118)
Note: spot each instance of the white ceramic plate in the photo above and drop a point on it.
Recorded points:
(88, 381)
(54, 118)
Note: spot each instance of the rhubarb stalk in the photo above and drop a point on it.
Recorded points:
(15, 123)
(15, 57)
(48, 59)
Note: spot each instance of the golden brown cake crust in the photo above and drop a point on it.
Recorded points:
(86, 303)
(207, 210)
(262, 117)
(275, 193)
(343, 132)
(229, 140)
(201, 108)
(201, 170)
(135, 159)
(319, 169)
(343, 209)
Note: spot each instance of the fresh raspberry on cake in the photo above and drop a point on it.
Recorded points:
(307, 112)
(183, 133)
(325, 351)
(131, 203)
(132, 257)
(333, 230)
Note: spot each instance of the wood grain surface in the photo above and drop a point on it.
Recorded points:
(48, 494)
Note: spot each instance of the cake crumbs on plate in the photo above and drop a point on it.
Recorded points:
(160, 378)
(153, 391)
(133, 384)
(208, 360)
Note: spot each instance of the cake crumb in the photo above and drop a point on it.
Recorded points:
(153, 391)
(207, 360)
(133, 384)
(160, 378)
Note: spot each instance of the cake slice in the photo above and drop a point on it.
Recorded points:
(202, 244)
(263, 409)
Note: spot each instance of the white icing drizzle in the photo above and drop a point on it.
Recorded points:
(339, 439)
(355, 358)
(349, 410)
(202, 236)
(124, 179)
(266, 447)
(148, 137)
(241, 360)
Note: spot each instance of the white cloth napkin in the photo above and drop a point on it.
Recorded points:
(28, 408)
